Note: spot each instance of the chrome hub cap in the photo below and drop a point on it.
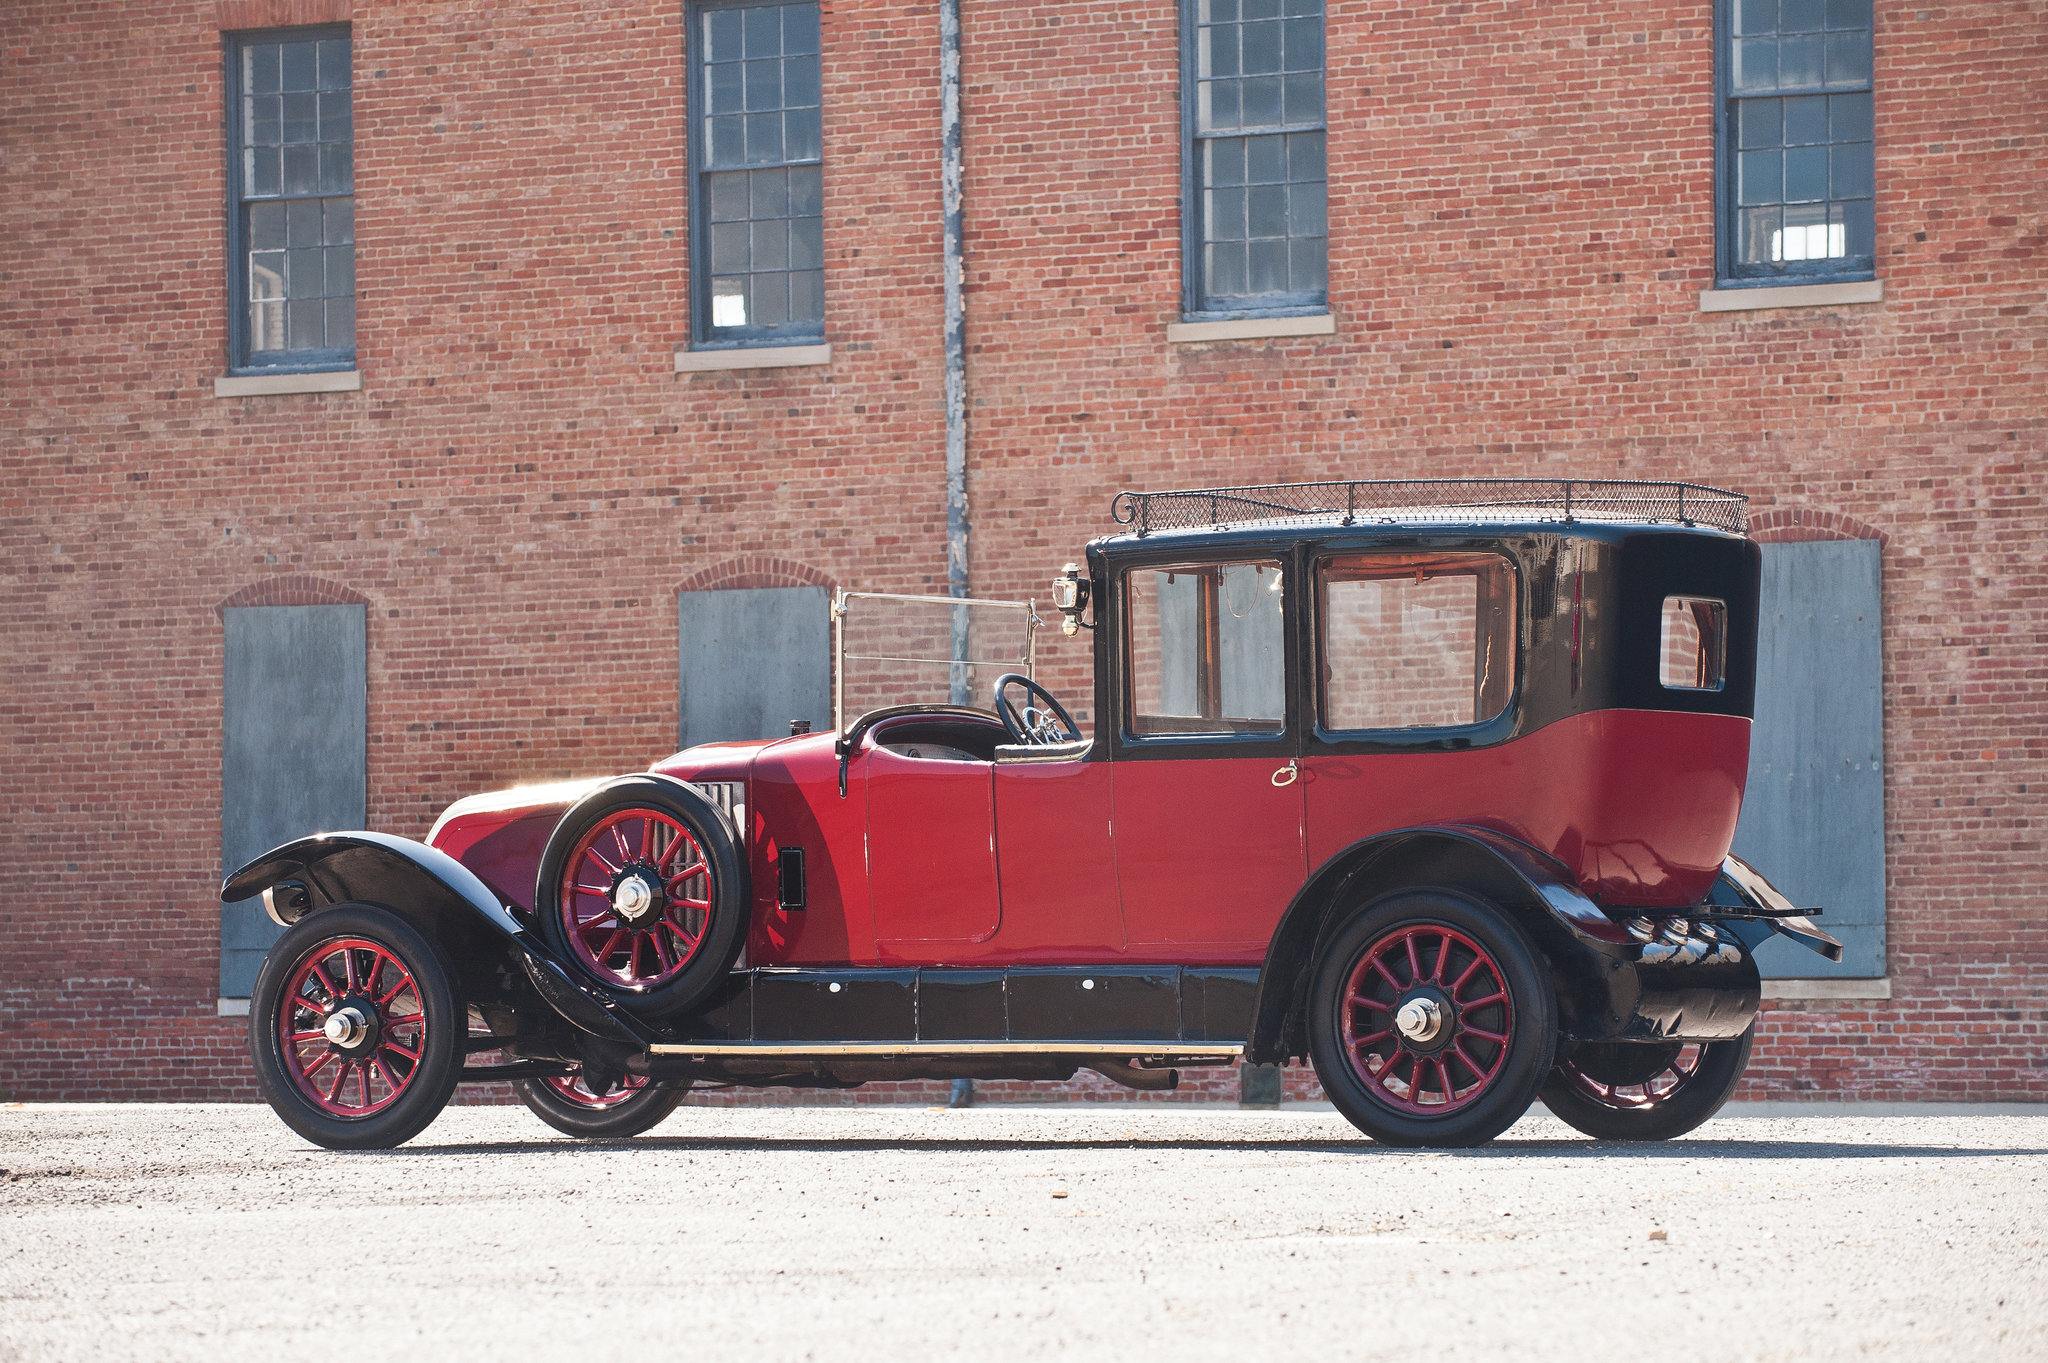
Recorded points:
(345, 1027)
(1420, 1019)
(634, 899)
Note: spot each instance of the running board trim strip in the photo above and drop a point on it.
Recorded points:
(885, 1050)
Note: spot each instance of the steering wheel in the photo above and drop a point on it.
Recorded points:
(1038, 723)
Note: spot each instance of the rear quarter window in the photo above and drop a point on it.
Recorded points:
(1417, 640)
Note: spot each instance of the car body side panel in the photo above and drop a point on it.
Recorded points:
(1208, 853)
(931, 848)
(793, 800)
(1053, 827)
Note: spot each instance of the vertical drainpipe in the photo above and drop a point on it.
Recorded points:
(956, 336)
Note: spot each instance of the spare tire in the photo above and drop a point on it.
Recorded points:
(643, 891)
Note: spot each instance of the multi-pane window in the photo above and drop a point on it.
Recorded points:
(292, 228)
(1255, 225)
(758, 210)
(1798, 164)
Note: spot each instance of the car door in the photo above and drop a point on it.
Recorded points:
(931, 846)
(1208, 801)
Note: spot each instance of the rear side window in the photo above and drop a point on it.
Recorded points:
(1410, 641)
(1207, 649)
(1694, 643)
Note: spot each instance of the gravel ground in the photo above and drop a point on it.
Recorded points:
(211, 1232)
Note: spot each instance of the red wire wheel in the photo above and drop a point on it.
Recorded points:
(354, 1027)
(1645, 1091)
(1427, 1020)
(636, 897)
(1669, 1068)
(570, 1106)
(571, 1089)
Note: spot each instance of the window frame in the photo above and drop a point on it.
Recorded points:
(1195, 306)
(1728, 270)
(327, 359)
(696, 160)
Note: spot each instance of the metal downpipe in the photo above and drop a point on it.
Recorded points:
(956, 337)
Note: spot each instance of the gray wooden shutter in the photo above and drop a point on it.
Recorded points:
(751, 659)
(1813, 812)
(294, 750)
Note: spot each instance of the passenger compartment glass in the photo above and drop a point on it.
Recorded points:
(1411, 641)
(1694, 643)
(1206, 649)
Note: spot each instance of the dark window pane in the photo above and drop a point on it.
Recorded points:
(1306, 211)
(807, 191)
(340, 221)
(341, 270)
(729, 246)
(1758, 122)
(1799, 61)
(1261, 101)
(1258, 9)
(800, 81)
(260, 69)
(1217, 49)
(1267, 262)
(1859, 233)
(807, 296)
(1800, 16)
(1757, 235)
(1851, 171)
(1305, 156)
(335, 122)
(1219, 105)
(770, 194)
(1216, 11)
(1304, 98)
(1849, 117)
(302, 169)
(806, 243)
(301, 66)
(1302, 7)
(728, 196)
(1806, 120)
(341, 323)
(1224, 161)
(1308, 269)
(303, 223)
(805, 140)
(305, 273)
(1225, 268)
(1265, 160)
(1806, 174)
(764, 86)
(1848, 58)
(1759, 177)
(764, 31)
(771, 245)
(301, 117)
(1223, 214)
(1756, 16)
(770, 299)
(305, 324)
(337, 167)
(799, 28)
(1756, 65)
(1265, 216)
(1848, 13)
(725, 88)
(260, 170)
(266, 226)
(1260, 50)
(1304, 49)
(764, 138)
(262, 123)
(334, 64)
(722, 35)
(728, 140)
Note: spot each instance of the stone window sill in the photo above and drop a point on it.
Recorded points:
(231, 1008)
(1792, 296)
(1787, 990)
(757, 357)
(264, 385)
(1250, 329)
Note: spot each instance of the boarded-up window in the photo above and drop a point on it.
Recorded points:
(1813, 812)
(294, 750)
(751, 659)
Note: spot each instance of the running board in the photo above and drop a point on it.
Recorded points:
(889, 1050)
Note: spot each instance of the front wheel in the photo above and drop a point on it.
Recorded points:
(1634, 1091)
(1431, 1020)
(355, 1028)
(569, 1105)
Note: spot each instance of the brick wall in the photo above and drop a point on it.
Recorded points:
(1521, 221)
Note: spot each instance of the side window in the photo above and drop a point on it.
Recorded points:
(1411, 641)
(757, 212)
(291, 222)
(1695, 643)
(1206, 649)
(1797, 165)
(1255, 232)
(294, 750)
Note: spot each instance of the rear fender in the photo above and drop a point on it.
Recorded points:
(445, 900)
(1584, 946)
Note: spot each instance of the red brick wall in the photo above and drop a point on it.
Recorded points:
(1521, 221)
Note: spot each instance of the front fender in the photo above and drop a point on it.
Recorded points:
(444, 898)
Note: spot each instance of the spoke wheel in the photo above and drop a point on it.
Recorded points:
(569, 1105)
(355, 1028)
(1624, 1091)
(1431, 1021)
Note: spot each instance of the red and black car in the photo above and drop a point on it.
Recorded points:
(1432, 784)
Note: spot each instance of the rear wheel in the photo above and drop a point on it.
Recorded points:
(355, 1029)
(1431, 1020)
(568, 1105)
(1631, 1091)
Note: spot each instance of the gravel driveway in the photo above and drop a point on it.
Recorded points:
(211, 1232)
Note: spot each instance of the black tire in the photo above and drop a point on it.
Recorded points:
(599, 1117)
(295, 1063)
(1482, 1086)
(1617, 1091)
(637, 974)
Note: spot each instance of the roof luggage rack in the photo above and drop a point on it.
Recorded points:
(1426, 500)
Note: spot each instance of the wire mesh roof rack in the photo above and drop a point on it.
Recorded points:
(1434, 501)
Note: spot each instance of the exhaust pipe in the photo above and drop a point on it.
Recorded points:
(1131, 1077)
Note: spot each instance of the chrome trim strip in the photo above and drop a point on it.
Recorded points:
(887, 1049)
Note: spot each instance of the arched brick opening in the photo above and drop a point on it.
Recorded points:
(296, 590)
(755, 570)
(1801, 524)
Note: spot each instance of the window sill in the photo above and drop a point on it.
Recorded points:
(1792, 296)
(1250, 329)
(231, 1008)
(264, 385)
(757, 357)
(1789, 990)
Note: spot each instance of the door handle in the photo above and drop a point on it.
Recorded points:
(1286, 775)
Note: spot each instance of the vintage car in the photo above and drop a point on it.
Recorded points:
(1430, 784)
